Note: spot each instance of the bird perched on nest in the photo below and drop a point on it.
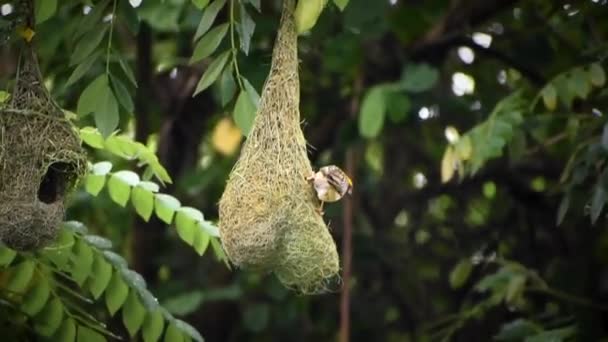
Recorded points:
(331, 184)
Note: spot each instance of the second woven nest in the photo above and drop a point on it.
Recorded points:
(268, 217)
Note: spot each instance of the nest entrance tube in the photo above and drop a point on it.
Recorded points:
(40, 160)
(268, 217)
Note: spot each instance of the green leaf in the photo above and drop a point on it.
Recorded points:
(101, 168)
(209, 43)
(143, 201)
(153, 326)
(185, 222)
(66, 332)
(94, 184)
(184, 303)
(515, 289)
(122, 94)
(116, 260)
(20, 277)
(173, 334)
(75, 226)
(4, 96)
(200, 4)
(212, 73)
(124, 147)
(188, 330)
(91, 20)
(61, 249)
(208, 18)
(341, 4)
(517, 330)
(49, 319)
(554, 335)
(597, 76)
(397, 107)
(106, 115)
(133, 314)
(579, 83)
(91, 137)
(97, 241)
(89, 100)
(119, 190)
(150, 186)
(127, 70)
(219, 252)
(116, 293)
(489, 138)
(210, 228)
(245, 29)
(83, 261)
(89, 335)
(82, 68)
(244, 112)
(100, 276)
(460, 274)
(417, 78)
(7, 256)
(128, 177)
(36, 297)
(165, 206)
(44, 9)
(253, 94)
(373, 110)
(201, 240)
(191, 213)
(549, 95)
(87, 44)
(227, 86)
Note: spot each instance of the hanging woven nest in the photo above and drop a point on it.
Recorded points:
(40, 160)
(268, 217)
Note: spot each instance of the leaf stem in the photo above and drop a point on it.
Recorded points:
(233, 46)
(566, 297)
(110, 38)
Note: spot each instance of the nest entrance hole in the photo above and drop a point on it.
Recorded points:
(55, 182)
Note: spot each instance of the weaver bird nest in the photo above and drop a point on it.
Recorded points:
(40, 161)
(268, 216)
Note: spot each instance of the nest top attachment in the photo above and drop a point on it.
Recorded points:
(268, 219)
(40, 160)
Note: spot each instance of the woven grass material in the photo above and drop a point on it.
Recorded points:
(40, 161)
(268, 217)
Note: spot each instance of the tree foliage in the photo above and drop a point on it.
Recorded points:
(477, 139)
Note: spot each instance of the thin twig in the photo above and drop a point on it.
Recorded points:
(582, 302)
(347, 215)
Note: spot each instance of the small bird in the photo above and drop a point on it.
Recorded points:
(331, 184)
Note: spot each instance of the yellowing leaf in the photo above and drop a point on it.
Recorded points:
(26, 33)
(549, 95)
(226, 137)
(464, 148)
(307, 12)
(447, 164)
